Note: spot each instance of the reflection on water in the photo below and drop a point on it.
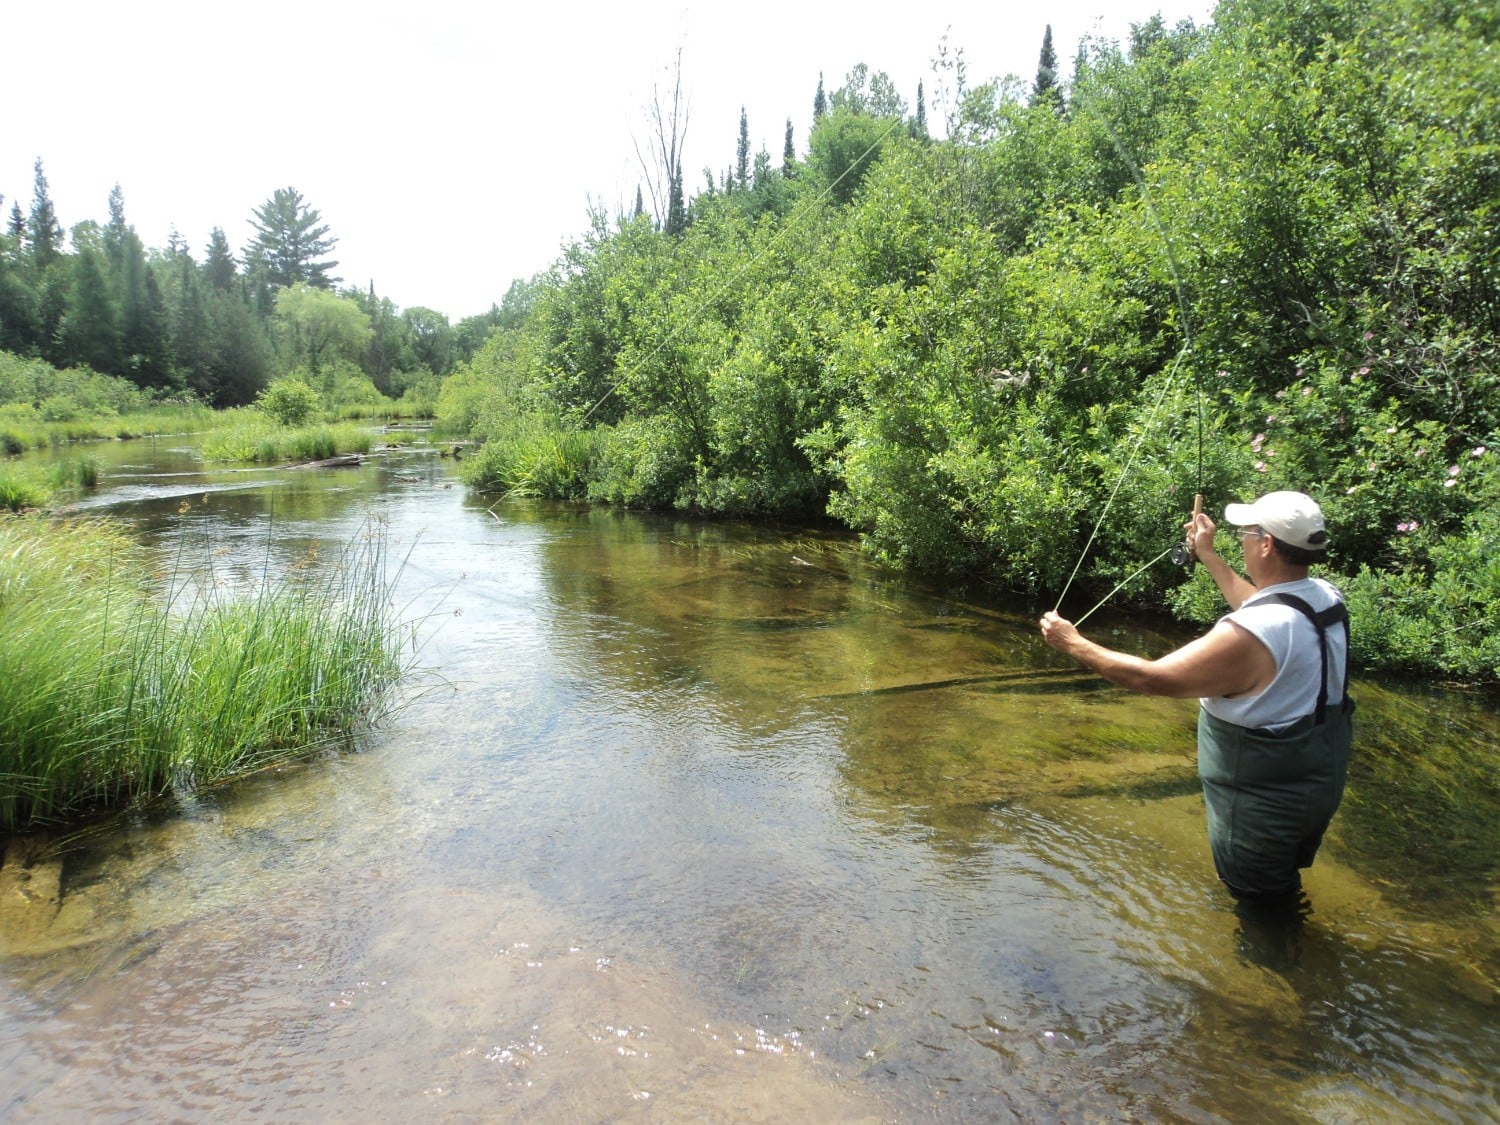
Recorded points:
(715, 822)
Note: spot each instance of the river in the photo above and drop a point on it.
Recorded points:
(696, 821)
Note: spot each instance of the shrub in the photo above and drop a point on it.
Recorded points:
(291, 402)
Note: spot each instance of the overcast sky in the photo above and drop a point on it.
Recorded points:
(451, 146)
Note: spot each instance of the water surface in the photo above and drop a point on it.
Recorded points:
(693, 821)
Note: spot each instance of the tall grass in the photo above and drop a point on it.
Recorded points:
(255, 437)
(27, 487)
(23, 428)
(111, 689)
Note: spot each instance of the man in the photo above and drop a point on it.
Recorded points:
(1275, 725)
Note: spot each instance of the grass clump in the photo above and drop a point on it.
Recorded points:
(112, 689)
(254, 437)
(22, 489)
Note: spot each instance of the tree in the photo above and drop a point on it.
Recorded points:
(219, 269)
(1046, 88)
(89, 334)
(661, 163)
(871, 94)
(44, 233)
(820, 102)
(318, 327)
(788, 153)
(144, 332)
(291, 243)
(192, 339)
(742, 153)
(431, 338)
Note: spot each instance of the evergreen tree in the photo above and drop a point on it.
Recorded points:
(788, 153)
(291, 243)
(143, 327)
(241, 349)
(115, 230)
(44, 233)
(17, 224)
(1046, 87)
(742, 153)
(820, 102)
(192, 335)
(89, 333)
(677, 207)
(640, 203)
(18, 324)
(921, 118)
(219, 269)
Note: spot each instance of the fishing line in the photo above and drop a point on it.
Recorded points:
(1188, 340)
(1119, 481)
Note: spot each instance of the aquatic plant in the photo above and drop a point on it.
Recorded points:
(252, 437)
(119, 680)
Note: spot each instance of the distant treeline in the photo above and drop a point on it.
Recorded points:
(1259, 254)
(220, 328)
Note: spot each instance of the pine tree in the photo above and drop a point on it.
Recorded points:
(43, 232)
(921, 122)
(640, 203)
(192, 336)
(677, 207)
(1046, 88)
(291, 242)
(742, 153)
(89, 332)
(788, 153)
(218, 266)
(820, 102)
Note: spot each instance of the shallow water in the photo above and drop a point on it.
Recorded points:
(697, 821)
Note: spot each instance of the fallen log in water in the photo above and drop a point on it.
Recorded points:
(345, 460)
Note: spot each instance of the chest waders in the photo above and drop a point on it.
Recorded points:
(1269, 797)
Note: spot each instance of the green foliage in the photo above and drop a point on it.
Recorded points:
(291, 243)
(288, 402)
(255, 437)
(1256, 255)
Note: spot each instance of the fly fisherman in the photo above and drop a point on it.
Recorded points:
(1274, 727)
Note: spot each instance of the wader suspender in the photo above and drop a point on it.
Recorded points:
(1335, 613)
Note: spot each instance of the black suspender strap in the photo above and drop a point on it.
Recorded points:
(1334, 614)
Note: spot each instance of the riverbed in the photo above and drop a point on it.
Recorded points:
(681, 820)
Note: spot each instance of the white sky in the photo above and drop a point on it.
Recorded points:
(451, 145)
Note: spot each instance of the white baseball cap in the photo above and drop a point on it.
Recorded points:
(1292, 517)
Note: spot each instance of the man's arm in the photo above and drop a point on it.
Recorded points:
(1225, 661)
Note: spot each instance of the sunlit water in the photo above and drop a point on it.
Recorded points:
(692, 821)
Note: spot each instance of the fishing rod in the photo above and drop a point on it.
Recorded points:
(1181, 553)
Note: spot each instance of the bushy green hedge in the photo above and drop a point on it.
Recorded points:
(1252, 256)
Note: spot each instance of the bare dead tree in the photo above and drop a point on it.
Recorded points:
(661, 158)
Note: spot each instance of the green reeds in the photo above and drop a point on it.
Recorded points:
(254, 437)
(115, 687)
(23, 429)
(29, 487)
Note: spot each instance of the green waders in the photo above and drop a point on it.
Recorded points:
(1270, 797)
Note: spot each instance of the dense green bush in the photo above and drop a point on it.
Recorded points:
(289, 402)
(1230, 259)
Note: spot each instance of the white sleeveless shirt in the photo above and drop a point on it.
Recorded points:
(1293, 643)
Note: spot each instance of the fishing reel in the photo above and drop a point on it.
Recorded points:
(1182, 553)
